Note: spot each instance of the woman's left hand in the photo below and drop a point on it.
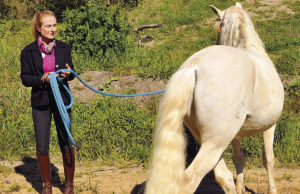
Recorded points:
(65, 73)
(46, 77)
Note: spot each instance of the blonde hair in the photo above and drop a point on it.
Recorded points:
(36, 21)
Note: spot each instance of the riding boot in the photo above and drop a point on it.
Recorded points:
(45, 171)
(69, 168)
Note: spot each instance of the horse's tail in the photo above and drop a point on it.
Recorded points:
(168, 160)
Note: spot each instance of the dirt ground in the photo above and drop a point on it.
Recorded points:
(23, 177)
(116, 84)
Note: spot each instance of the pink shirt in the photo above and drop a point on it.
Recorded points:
(48, 58)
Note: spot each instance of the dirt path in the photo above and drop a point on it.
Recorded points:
(117, 84)
(23, 177)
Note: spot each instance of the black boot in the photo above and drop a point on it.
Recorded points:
(45, 171)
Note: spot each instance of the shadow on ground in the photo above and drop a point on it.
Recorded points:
(208, 184)
(29, 169)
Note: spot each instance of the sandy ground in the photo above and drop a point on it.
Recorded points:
(23, 177)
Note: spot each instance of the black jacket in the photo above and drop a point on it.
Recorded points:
(32, 72)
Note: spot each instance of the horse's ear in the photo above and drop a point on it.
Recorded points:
(237, 4)
(217, 11)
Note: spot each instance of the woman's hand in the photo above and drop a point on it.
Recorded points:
(46, 77)
(65, 73)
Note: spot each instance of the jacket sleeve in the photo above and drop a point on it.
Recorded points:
(27, 75)
(69, 61)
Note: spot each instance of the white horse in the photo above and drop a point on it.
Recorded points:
(222, 94)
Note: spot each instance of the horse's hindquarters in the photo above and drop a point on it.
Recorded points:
(267, 100)
(222, 92)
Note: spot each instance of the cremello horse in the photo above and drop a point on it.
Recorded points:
(222, 94)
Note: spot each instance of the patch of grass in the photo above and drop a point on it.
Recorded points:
(87, 186)
(79, 86)
(115, 130)
(87, 78)
(287, 141)
(14, 188)
(31, 190)
(285, 177)
(125, 170)
(129, 91)
(249, 179)
(4, 170)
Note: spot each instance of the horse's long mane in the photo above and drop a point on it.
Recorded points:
(237, 30)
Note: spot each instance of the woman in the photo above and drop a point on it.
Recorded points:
(40, 58)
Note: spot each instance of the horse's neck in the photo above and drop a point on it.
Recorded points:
(249, 40)
(250, 46)
(240, 33)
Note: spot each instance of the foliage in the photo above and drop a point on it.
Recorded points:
(110, 129)
(96, 30)
(126, 3)
(11, 26)
(24, 9)
(58, 7)
(18, 9)
(3, 9)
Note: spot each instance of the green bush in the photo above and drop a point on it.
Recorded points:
(58, 7)
(11, 26)
(96, 30)
(18, 9)
(4, 9)
(24, 9)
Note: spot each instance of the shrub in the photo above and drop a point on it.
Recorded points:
(126, 3)
(58, 7)
(96, 30)
(24, 9)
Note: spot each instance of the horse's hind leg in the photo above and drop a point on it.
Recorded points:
(239, 163)
(205, 160)
(224, 177)
(268, 158)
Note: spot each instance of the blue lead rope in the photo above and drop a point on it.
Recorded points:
(62, 108)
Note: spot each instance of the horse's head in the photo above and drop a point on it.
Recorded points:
(228, 24)
(235, 28)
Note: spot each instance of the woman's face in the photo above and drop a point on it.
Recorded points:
(48, 28)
